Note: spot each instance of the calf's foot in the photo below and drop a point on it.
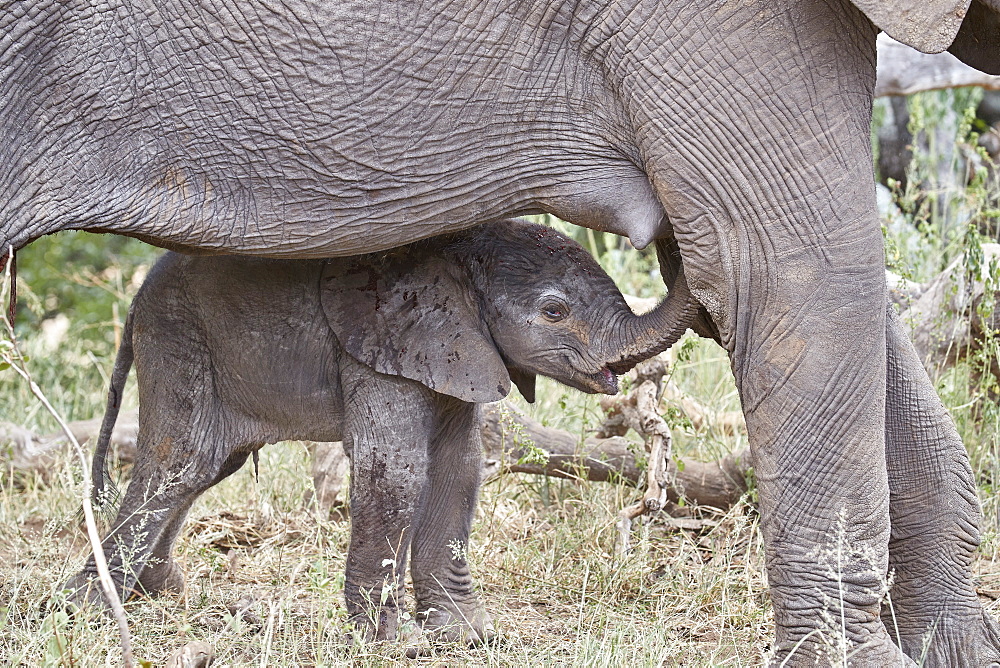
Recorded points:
(84, 591)
(465, 622)
(165, 577)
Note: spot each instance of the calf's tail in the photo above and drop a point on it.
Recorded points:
(105, 492)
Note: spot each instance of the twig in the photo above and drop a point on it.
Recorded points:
(12, 356)
(646, 420)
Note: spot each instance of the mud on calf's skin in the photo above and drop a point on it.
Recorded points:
(391, 353)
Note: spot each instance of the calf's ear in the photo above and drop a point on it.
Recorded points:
(404, 314)
(525, 383)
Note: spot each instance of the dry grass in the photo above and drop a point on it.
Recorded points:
(265, 572)
(546, 572)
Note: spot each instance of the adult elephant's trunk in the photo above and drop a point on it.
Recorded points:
(651, 333)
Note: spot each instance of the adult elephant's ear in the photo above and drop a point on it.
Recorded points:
(408, 315)
(926, 25)
(978, 42)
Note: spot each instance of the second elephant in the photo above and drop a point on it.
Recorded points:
(391, 353)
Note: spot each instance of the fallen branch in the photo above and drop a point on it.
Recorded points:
(28, 451)
(511, 442)
(330, 465)
(903, 70)
(195, 654)
(946, 316)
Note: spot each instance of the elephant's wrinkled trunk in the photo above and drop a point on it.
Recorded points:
(652, 333)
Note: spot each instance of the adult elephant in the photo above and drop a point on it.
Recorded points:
(738, 129)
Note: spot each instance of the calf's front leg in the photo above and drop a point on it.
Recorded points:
(389, 422)
(447, 604)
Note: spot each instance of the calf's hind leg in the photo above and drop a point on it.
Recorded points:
(161, 573)
(166, 480)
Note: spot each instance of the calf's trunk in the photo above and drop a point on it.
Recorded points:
(651, 333)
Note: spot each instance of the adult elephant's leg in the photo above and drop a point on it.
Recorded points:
(810, 370)
(759, 151)
(810, 567)
(389, 422)
(935, 521)
(447, 603)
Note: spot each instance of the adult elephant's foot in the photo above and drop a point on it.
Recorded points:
(448, 607)
(876, 652)
(465, 622)
(952, 642)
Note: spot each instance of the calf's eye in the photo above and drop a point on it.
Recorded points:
(554, 311)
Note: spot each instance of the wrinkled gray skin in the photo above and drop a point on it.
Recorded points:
(389, 353)
(315, 129)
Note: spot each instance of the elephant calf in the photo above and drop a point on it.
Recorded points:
(391, 353)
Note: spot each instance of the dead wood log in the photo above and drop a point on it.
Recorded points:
(330, 465)
(122, 438)
(903, 71)
(512, 442)
(195, 654)
(23, 450)
(945, 316)
(518, 444)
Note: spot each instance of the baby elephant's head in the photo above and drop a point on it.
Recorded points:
(468, 313)
(552, 310)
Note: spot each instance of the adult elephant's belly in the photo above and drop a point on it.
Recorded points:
(282, 217)
(313, 133)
